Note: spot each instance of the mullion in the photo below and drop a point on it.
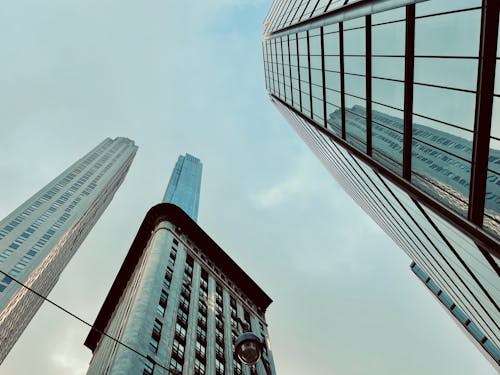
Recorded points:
(298, 70)
(309, 73)
(264, 57)
(271, 42)
(342, 80)
(368, 73)
(290, 68)
(277, 68)
(323, 78)
(283, 69)
(408, 90)
(484, 108)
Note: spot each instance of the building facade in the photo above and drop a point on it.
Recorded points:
(41, 236)
(184, 185)
(400, 99)
(175, 305)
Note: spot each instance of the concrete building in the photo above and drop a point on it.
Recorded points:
(400, 99)
(176, 302)
(41, 236)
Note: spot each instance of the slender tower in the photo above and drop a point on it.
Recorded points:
(41, 236)
(179, 301)
(183, 189)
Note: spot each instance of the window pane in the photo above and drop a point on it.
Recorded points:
(388, 39)
(354, 42)
(438, 6)
(450, 106)
(455, 34)
(459, 73)
(388, 92)
(388, 67)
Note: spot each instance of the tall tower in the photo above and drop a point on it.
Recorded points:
(41, 236)
(399, 101)
(179, 301)
(183, 188)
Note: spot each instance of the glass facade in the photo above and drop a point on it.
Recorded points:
(396, 98)
(40, 237)
(184, 186)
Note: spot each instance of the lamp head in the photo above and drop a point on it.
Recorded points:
(248, 348)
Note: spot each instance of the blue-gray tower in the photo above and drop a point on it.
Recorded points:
(183, 189)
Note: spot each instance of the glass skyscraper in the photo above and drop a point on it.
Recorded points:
(41, 236)
(400, 99)
(183, 188)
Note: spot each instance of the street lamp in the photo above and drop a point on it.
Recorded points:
(248, 347)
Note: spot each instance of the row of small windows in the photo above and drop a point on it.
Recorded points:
(49, 195)
(15, 271)
(53, 208)
(471, 327)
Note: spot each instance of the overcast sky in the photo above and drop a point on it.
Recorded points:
(182, 77)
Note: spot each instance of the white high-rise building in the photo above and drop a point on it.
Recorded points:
(40, 237)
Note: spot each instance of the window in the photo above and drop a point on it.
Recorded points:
(219, 351)
(153, 345)
(2, 287)
(182, 317)
(219, 367)
(149, 366)
(163, 298)
(201, 334)
(157, 327)
(200, 350)
(178, 350)
(460, 315)
(14, 272)
(199, 367)
(160, 309)
(175, 365)
(180, 332)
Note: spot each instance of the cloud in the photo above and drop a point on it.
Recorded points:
(281, 192)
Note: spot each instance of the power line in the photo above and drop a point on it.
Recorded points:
(84, 321)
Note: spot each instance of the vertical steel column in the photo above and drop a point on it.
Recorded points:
(408, 95)
(368, 72)
(277, 69)
(290, 67)
(298, 69)
(283, 68)
(484, 107)
(323, 80)
(342, 86)
(271, 71)
(309, 70)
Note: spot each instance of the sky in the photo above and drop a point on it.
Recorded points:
(181, 77)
